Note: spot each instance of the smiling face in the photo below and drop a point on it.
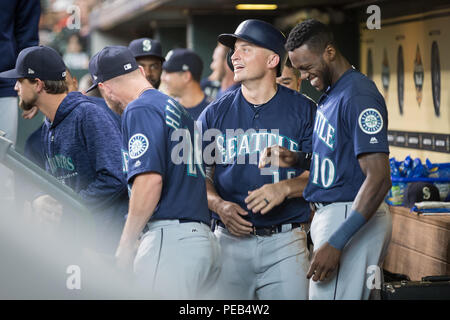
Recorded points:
(250, 61)
(312, 67)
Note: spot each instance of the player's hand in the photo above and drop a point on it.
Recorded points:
(30, 114)
(278, 157)
(325, 260)
(265, 198)
(230, 214)
(125, 256)
(47, 209)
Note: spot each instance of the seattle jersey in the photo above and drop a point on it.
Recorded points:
(150, 125)
(286, 120)
(351, 120)
(198, 109)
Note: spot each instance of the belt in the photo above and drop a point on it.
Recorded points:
(317, 205)
(190, 220)
(263, 231)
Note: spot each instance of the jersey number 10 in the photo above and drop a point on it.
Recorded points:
(323, 171)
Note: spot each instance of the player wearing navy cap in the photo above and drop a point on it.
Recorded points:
(259, 219)
(74, 137)
(148, 54)
(350, 173)
(290, 77)
(179, 256)
(181, 76)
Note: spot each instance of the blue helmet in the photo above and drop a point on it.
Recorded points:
(262, 34)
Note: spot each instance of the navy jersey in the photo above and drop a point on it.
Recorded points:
(233, 87)
(149, 125)
(198, 109)
(289, 113)
(210, 88)
(351, 119)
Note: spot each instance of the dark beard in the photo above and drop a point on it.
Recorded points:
(327, 79)
(27, 105)
(154, 84)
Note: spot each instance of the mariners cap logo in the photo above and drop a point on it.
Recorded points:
(137, 145)
(146, 45)
(370, 121)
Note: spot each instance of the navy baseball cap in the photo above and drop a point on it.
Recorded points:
(38, 62)
(178, 60)
(419, 192)
(144, 47)
(111, 62)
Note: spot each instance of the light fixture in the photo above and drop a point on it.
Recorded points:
(256, 7)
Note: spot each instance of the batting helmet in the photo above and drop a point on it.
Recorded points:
(262, 34)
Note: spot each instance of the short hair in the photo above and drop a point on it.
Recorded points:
(311, 32)
(290, 66)
(53, 86)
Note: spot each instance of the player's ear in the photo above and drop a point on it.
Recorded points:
(39, 85)
(187, 76)
(272, 61)
(142, 70)
(329, 54)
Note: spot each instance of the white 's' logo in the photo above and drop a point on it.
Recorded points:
(146, 45)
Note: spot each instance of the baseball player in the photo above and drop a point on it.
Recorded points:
(81, 143)
(259, 219)
(181, 76)
(179, 256)
(34, 149)
(148, 54)
(349, 175)
(290, 78)
(211, 84)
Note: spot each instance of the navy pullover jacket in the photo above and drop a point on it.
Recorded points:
(82, 149)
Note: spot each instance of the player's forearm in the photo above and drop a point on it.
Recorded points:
(145, 196)
(372, 194)
(377, 183)
(296, 186)
(213, 197)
